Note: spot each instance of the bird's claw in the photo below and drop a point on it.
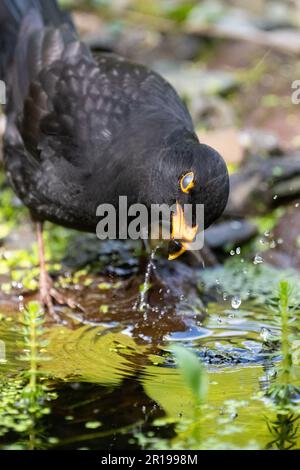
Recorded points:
(62, 300)
(49, 296)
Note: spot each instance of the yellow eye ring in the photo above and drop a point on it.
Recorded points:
(187, 182)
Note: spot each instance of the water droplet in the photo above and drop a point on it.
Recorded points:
(258, 259)
(236, 302)
(238, 250)
(232, 252)
(265, 334)
(275, 197)
(267, 233)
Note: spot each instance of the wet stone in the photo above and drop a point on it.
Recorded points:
(286, 251)
(253, 188)
(230, 233)
(260, 142)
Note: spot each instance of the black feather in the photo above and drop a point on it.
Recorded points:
(84, 129)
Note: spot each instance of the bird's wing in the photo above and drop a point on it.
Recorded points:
(50, 101)
(70, 106)
(76, 107)
(73, 105)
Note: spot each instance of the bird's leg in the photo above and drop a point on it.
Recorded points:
(46, 284)
(47, 291)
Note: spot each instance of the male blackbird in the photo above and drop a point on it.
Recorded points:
(83, 130)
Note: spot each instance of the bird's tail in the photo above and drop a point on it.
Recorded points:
(12, 15)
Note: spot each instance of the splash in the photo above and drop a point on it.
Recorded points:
(143, 300)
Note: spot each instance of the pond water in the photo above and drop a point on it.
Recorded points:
(106, 378)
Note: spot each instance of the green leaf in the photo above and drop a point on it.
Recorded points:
(192, 371)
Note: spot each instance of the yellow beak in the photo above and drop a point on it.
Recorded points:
(181, 231)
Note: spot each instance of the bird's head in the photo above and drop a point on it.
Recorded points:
(191, 173)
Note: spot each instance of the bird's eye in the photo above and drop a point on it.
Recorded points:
(187, 182)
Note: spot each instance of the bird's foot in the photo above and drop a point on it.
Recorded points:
(49, 296)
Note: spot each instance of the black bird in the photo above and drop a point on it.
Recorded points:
(83, 129)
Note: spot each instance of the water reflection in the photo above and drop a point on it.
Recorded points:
(112, 370)
(284, 429)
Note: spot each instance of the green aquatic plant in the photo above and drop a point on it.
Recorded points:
(259, 283)
(190, 388)
(188, 430)
(195, 379)
(197, 417)
(284, 391)
(284, 429)
(34, 345)
(193, 373)
(24, 396)
(284, 395)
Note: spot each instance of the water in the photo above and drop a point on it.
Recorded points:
(112, 379)
(258, 259)
(146, 284)
(236, 302)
